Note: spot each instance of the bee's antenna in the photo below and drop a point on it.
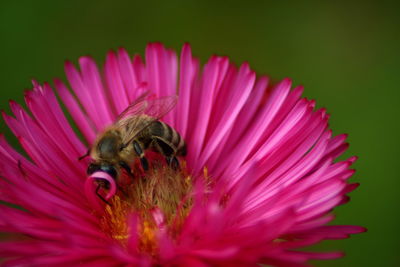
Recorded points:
(84, 156)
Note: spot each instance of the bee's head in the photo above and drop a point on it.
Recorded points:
(104, 167)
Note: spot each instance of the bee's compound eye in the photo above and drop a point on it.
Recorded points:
(92, 168)
(110, 170)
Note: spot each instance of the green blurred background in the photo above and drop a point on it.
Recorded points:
(344, 53)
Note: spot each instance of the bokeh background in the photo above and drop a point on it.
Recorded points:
(345, 53)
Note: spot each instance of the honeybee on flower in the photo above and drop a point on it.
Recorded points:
(259, 180)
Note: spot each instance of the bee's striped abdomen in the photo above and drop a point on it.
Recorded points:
(170, 141)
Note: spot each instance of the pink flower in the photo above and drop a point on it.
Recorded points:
(259, 181)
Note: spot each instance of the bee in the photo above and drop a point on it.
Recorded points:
(137, 129)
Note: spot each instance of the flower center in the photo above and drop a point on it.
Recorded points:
(161, 201)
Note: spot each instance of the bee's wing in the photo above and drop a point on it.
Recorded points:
(137, 107)
(155, 108)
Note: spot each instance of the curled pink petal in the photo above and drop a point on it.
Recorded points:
(90, 188)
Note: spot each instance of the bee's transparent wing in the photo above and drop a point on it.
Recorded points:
(155, 108)
(137, 107)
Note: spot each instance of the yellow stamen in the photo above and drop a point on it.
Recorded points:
(114, 219)
(162, 189)
(147, 242)
(205, 172)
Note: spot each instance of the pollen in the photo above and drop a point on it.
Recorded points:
(114, 220)
(147, 241)
(161, 198)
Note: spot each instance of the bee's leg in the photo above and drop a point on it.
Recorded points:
(139, 151)
(173, 162)
(168, 152)
(123, 192)
(145, 163)
(126, 168)
(84, 156)
(101, 197)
